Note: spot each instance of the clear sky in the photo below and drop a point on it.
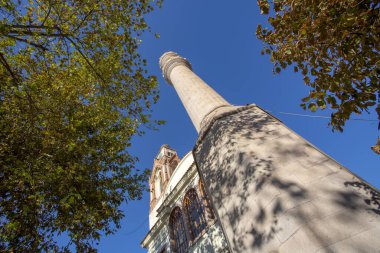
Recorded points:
(218, 38)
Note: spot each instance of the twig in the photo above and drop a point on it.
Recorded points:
(6, 65)
(31, 26)
(85, 58)
(84, 19)
(47, 15)
(15, 32)
(27, 41)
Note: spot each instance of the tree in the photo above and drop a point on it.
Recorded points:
(73, 91)
(335, 44)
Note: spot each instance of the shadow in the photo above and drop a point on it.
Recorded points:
(292, 188)
(372, 199)
(238, 152)
(242, 162)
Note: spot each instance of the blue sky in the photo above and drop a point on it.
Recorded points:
(219, 40)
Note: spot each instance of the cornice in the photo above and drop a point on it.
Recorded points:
(169, 61)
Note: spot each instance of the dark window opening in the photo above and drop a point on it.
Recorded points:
(195, 213)
(178, 233)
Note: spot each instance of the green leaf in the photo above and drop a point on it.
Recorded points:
(321, 104)
(312, 107)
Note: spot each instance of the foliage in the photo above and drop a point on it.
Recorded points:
(73, 91)
(335, 44)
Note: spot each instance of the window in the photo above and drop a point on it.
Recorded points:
(177, 231)
(159, 156)
(195, 213)
(206, 204)
(158, 184)
(202, 189)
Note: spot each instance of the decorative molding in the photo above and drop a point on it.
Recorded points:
(169, 61)
(152, 233)
(167, 206)
(170, 200)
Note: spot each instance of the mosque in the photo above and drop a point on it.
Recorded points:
(251, 184)
(180, 218)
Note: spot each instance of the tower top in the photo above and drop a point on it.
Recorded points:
(199, 99)
(164, 165)
(163, 150)
(168, 61)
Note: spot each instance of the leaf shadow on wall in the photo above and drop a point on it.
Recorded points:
(261, 201)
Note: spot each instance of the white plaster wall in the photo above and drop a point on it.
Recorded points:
(153, 213)
(180, 170)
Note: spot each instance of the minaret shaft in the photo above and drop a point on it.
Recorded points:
(198, 98)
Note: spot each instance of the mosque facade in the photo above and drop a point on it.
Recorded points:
(181, 218)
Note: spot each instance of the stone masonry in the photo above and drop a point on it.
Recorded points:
(271, 189)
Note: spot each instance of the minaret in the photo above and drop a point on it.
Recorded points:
(198, 98)
(272, 190)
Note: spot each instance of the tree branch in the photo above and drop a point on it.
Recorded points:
(31, 26)
(27, 41)
(85, 58)
(45, 34)
(84, 19)
(47, 14)
(8, 68)
(12, 34)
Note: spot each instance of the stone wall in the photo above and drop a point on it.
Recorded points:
(213, 241)
(275, 192)
(161, 240)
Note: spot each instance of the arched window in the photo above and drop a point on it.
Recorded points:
(202, 188)
(177, 231)
(195, 213)
(206, 204)
(158, 184)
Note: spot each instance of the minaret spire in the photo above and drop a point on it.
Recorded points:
(198, 98)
